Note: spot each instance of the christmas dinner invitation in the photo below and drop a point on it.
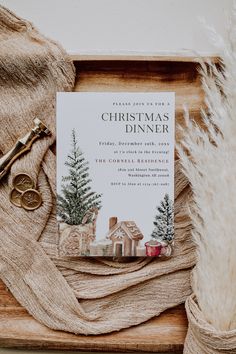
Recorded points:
(115, 173)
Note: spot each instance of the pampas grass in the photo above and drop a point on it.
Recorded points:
(210, 165)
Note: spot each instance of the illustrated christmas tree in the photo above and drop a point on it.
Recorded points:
(164, 221)
(76, 198)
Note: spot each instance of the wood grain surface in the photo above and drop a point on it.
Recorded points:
(18, 329)
(167, 332)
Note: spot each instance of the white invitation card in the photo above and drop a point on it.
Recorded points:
(115, 173)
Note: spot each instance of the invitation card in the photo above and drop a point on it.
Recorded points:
(115, 173)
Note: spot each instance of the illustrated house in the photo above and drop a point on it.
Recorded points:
(125, 237)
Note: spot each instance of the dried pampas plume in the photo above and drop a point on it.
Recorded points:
(210, 165)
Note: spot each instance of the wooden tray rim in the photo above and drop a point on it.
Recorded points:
(145, 57)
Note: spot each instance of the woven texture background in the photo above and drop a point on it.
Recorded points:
(204, 338)
(88, 296)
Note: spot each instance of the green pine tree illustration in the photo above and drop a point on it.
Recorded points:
(76, 197)
(164, 221)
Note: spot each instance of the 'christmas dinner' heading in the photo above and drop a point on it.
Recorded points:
(141, 122)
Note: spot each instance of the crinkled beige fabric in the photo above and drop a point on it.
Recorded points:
(202, 337)
(84, 295)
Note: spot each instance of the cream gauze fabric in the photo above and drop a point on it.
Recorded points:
(202, 337)
(84, 295)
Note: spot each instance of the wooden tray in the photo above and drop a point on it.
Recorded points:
(18, 329)
(167, 332)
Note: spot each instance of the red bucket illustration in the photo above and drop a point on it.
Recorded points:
(153, 248)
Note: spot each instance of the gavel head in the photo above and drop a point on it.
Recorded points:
(40, 127)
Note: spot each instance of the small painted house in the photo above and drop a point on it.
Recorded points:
(125, 237)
